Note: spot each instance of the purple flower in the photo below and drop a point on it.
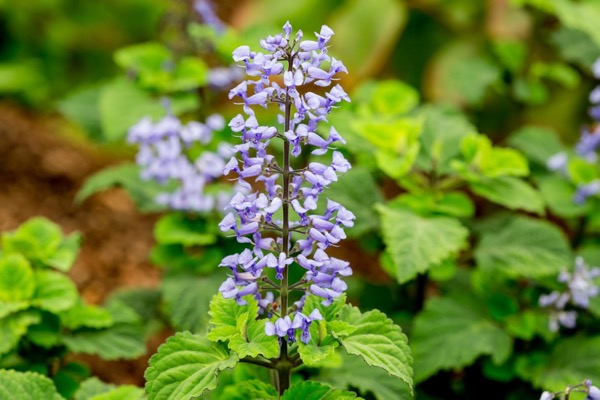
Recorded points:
(593, 393)
(585, 191)
(546, 396)
(284, 327)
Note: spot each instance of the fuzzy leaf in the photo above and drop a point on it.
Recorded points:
(417, 243)
(537, 143)
(252, 340)
(320, 346)
(13, 327)
(65, 255)
(92, 387)
(125, 392)
(224, 314)
(451, 334)
(177, 228)
(256, 389)
(558, 194)
(378, 341)
(26, 386)
(185, 366)
(120, 341)
(84, 315)
(16, 279)
(54, 292)
(510, 192)
(309, 390)
(524, 247)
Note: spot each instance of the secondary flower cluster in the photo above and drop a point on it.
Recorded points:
(593, 393)
(287, 208)
(580, 287)
(587, 146)
(163, 156)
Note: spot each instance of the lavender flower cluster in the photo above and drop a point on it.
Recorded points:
(163, 157)
(587, 146)
(283, 76)
(580, 287)
(592, 392)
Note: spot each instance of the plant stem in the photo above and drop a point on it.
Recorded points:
(258, 361)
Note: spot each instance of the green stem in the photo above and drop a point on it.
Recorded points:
(258, 361)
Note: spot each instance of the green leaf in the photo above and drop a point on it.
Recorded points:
(581, 171)
(122, 94)
(185, 366)
(330, 312)
(358, 191)
(320, 345)
(224, 314)
(179, 228)
(46, 333)
(356, 373)
(512, 53)
(252, 340)
(558, 194)
(37, 239)
(126, 176)
(453, 204)
(416, 243)
(126, 392)
(26, 386)
(12, 307)
(190, 73)
(81, 106)
(379, 342)
(54, 291)
(583, 16)
(16, 279)
(148, 57)
(575, 46)
(393, 98)
(92, 387)
(66, 253)
(510, 192)
(309, 390)
(84, 315)
(571, 360)
(537, 143)
(523, 247)
(13, 327)
(450, 333)
(256, 389)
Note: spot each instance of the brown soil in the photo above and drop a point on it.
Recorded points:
(40, 174)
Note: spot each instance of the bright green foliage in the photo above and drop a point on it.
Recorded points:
(320, 346)
(581, 171)
(251, 389)
(451, 334)
(392, 98)
(252, 341)
(16, 279)
(558, 194)
(26, 386)
(177, 228)
(42, 242)
(524, 247)
(186, 366)
(308, 390)
(13, 327)
(225, 314)
(94, 389)
(126, 176)
(571, 360)
(356, 373)
(54, 291)
(452, 204)
(481, 158)
(510, 192)
(537, 143)
(417, 243)
(117, 342)
(85, 315)
(378, 341)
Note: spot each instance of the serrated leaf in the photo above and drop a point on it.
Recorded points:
(36, 239)
(224, 314)
(126, 392)
(356, 373)
(416, 243)
(571, 360)
(524, 247)
(92, 387)
(13, 327)
(187, 299)
(46, 333)
(121, 341)
(510, 192)
(452, 204)
(452, 334)
(126, 176)
(330, 312)
(256, 389)
(84, 315)
(16, 279)
(252, 341)
(26, 386)
(379, 342)
(178, 228)
(320, 346)
(309, 390)
(65, 255)
(12, 307)
(186, 366)
(54, 291)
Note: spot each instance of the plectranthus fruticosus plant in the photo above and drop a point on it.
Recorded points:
(283, 303)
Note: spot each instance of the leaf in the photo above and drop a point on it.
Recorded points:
(256, 389)
(69, 377)
(66, 253)
(309, 390)
(379, 342)
(510, 192)
(187, 299)
(320, 346)
(583, 16)
(26, 386)
(451, 334)
(452, 204)
(84, 315)
(571, 360)
(16, 279)
(54, 291)
(252, 341)
(190, 73)
(558, 194)
(179, 228)
(393, 98)
(125, 392)
(224, 314)
(121, 341)
(537, 143)
(46, 333)
(36, 239)
(358, 192)
(122, 94)
(417, 243)
(126, 176)
(13, 327)
(523, 247)
(92, 387)
(81, 107)
(185, 366)
(357, 374)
